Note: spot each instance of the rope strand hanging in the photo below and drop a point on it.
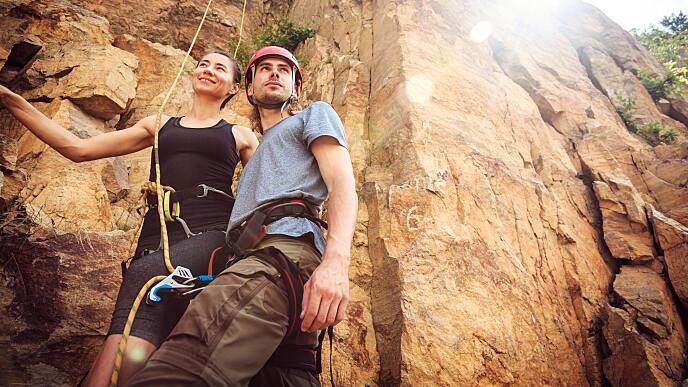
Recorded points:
(241, 29)
(159, 189)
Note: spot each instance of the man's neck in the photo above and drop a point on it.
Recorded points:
(270, 117)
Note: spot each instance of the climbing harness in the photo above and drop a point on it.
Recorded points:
(248, 235)
(172, 200)
(243, 239)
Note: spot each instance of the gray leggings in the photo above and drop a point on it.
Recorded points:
(154, 322)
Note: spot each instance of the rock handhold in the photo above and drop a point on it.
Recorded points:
(75, 197)
(643, 332)
(672, 237)
(101, 79)
(624, 222)
(8, 152)
(664, 178)
(158, 66)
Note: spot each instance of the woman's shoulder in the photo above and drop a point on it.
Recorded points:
(243, 135)
(242, 131)
(151, 122)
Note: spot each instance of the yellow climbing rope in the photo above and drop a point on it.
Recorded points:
(241, 29)
(159, 189)
(127, 328)
(161, 213)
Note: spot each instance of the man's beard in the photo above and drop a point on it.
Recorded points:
(271, 98)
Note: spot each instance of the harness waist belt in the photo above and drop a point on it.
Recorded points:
(199, 191)
(251, 232)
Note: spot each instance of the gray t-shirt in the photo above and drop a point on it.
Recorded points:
(284, 167)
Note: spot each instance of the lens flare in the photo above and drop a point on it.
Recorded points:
(481, 31)
(419, 88)
(137, 355)
(531, 9)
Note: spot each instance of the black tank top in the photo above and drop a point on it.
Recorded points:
(189, 157)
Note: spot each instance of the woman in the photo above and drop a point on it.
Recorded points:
(196, 150)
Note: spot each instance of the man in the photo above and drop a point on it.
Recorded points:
(236, 331)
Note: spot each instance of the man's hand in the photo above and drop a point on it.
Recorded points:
(326, 294)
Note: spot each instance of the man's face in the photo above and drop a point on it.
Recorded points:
(272, 80)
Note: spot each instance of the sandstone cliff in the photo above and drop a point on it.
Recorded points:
(511, 230)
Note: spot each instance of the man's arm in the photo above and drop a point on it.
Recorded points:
(326, 294)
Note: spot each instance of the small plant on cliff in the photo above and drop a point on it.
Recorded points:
(671, 83)
(626, 110)
(654, 133)
(285, 34)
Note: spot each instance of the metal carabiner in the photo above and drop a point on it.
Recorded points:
(207, 188)
(205, 191)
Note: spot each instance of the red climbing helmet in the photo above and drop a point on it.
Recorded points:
(277, 51)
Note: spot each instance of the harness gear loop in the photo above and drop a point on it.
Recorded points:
(176, 208)
(207, 188)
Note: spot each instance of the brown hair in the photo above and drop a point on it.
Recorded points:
(235, 70)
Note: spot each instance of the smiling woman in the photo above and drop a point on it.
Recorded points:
(232, 68)
(198, 150)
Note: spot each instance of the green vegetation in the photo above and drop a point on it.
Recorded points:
(284, 34)
(676, 22)
(672, 83)
(627, 110)
(244, 52)
(669, 44)
(654, 133)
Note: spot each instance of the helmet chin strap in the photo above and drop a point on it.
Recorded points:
(275, 105)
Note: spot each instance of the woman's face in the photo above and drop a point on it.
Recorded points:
(213, 77)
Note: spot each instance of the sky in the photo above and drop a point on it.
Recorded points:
(639, 13)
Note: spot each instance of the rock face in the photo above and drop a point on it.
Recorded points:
(57, 293)
(158, 67)
(673, 239)
(624, 221)
(644, 332)
(511, 230)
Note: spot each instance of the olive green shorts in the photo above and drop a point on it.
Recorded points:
(233, 326)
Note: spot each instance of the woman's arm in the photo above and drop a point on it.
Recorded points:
(246, 142)
(69, 145)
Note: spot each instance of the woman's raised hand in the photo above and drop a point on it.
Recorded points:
(4, 92)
